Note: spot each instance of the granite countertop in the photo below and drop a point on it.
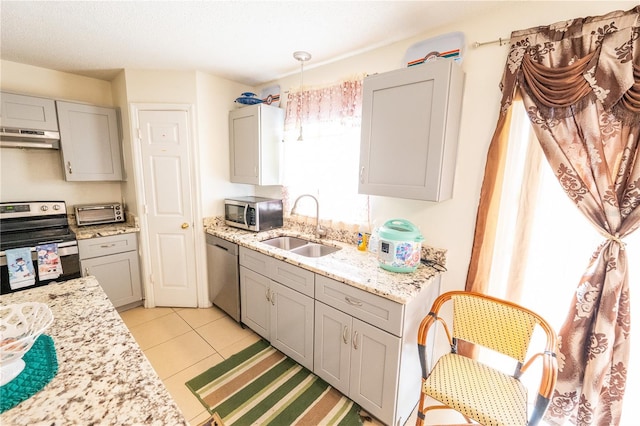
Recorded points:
(348, 265)
(94, 231)
(103, 376)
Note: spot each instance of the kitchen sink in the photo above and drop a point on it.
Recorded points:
(301, 246)
(314, 250)
(286, 243)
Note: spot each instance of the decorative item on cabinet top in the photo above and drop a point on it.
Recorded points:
(450, 45)
(248, 98)
(271, 95)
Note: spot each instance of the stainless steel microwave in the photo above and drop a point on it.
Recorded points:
(97, 214)
(253, 213)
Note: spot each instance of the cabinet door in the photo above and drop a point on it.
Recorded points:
(375, 359)
(410, 130)
(255, 301)
(332, 349)
(255, 139)
(27, 112)
(118, 275)
(292, 324)
(90, 142)
(244, 125)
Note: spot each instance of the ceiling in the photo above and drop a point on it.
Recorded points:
(251, 42)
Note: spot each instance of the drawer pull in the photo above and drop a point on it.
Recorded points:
(345, 335)
(355, 340)
(266, 294)
(352, 302)
(108, 245)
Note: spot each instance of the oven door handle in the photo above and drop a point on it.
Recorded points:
(65, 249)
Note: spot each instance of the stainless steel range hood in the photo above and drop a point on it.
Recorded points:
(27, 138)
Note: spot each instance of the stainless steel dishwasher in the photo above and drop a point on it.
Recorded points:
(224, 283)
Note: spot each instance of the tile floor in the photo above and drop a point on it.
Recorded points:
(181, 343)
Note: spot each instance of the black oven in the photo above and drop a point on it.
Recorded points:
(27, 225)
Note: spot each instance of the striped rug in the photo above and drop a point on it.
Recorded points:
(262, 386)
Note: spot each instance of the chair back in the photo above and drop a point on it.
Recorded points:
(494, 324)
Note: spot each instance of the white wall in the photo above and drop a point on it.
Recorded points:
(450, 224)
(215, 100)
(34, 174)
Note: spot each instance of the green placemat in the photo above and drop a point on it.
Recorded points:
(41, 365)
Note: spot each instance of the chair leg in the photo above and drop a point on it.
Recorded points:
(420, 418)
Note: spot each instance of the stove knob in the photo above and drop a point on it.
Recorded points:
(44, 208)
(56, 207)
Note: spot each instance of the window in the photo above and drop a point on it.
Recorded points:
(544, 243)
(325, 162)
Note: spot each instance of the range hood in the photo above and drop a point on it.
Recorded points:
(28, 138)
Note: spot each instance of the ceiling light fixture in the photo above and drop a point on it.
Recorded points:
(302, 57)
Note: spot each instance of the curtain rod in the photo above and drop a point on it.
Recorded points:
(501, 41)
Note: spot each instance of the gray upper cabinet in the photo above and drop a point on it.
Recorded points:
(27, 112)
(90, 142)
(255, 138)
(410, 121)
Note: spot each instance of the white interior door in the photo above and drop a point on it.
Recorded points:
(165, 155)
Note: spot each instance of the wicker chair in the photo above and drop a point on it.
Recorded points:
(475, 390)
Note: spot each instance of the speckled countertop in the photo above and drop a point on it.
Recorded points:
(348, 265)
(93, 231)
(103, 376)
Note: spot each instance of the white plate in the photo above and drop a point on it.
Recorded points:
(450, 45)
(271, 95)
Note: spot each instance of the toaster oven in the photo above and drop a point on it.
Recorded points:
(98, 214)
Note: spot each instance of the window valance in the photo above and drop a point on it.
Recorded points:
(567, 65)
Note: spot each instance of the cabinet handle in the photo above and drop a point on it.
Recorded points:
(352, 302)
(69, 167)
(273, 298)
(362, 174)
(184, 225)
(345, 335)
(86, 272)
(108, 245)
(355, 340)
(267, 296)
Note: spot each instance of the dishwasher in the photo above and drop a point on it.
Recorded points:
(223, 277)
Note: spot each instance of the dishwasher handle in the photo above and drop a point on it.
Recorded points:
(228, 246)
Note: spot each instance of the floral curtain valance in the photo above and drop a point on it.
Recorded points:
(320, 110)
(603, 64)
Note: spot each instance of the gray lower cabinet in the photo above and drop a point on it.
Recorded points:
(113, 260)
(276, 310)
(362, 344)
(359, 360)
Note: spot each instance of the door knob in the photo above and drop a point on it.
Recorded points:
(185, 225)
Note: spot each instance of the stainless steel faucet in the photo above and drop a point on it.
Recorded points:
(319, 231)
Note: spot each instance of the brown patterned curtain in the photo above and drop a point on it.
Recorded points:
(580, 84)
